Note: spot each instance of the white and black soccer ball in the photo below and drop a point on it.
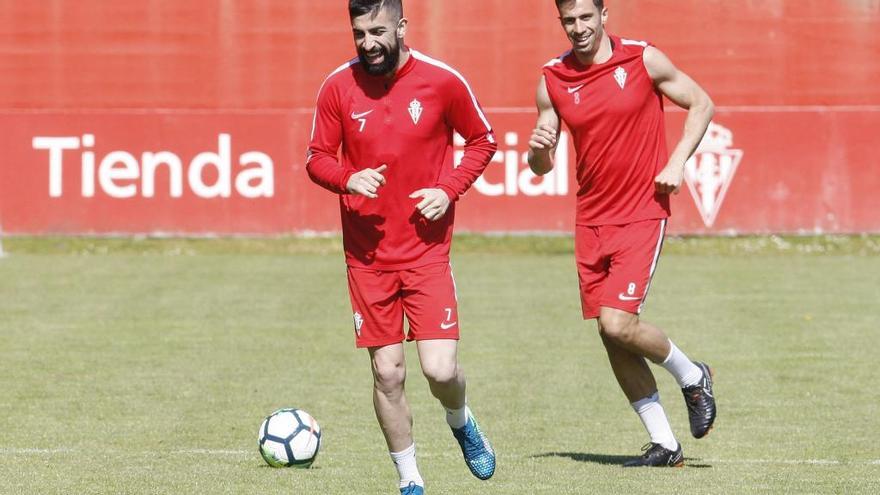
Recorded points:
(289, 438)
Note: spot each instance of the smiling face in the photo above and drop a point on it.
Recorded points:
(378, 36)
(584, 24)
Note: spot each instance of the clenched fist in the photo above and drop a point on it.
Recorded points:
(367, 182)
(434, 203)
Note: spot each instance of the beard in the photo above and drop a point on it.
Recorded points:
(390, 58)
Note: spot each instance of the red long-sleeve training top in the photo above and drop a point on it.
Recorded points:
(405, 122)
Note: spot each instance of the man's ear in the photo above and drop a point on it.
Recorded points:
(401, 28)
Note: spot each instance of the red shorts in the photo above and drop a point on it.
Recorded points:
(380, 299)
(616, 263)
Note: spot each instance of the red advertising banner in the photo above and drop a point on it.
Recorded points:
(191, 117)
(155, 172)
(758, 170)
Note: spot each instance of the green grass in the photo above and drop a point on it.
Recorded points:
(146, 366)
(860, 245)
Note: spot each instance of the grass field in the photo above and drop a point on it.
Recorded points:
(147, 366)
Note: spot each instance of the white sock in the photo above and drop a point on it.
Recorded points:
(405, 462)
(456, 418)
(686, 373)
(654, 418)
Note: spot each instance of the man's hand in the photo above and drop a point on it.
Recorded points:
(434, 203)
(669, 179)
(543, 139)
(367, 182)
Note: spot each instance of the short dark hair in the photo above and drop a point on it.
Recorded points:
(357, 8)
(598, 3)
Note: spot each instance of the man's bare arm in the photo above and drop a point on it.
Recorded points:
(686, 93)
(545, 136)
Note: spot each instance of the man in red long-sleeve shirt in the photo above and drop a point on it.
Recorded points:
(393, 111)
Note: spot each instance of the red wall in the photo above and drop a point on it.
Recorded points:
(794, 81)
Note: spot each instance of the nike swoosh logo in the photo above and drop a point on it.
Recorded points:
(447, 326)
(356, 116)
(628, 298)
(575, 89)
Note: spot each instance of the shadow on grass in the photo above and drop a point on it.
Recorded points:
(611, 460)
(585, 457)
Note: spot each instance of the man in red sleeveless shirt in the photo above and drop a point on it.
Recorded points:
(609, 92)
(393, 110)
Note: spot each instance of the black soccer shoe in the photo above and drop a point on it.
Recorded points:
(700, 403)
(657, 455)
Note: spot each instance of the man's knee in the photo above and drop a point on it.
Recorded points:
(388, 374)
(441, 371)
(618, 326)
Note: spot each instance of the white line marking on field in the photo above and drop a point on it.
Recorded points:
(35, 451)
(214, 452)
(237, 452)
(826, 462)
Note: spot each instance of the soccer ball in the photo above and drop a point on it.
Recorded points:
(289, 438)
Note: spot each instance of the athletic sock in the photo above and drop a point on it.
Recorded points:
(654, 418)
(405, 462)
(456, 418)
(686, 373)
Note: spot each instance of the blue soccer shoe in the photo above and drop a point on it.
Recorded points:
(412, 489)
(478, 453)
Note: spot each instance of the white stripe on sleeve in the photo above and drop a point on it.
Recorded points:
(335, 71)
(437, 63)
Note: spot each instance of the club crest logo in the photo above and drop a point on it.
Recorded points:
(710, 171)
(358, 323)
(415, 110)
(620, 77)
